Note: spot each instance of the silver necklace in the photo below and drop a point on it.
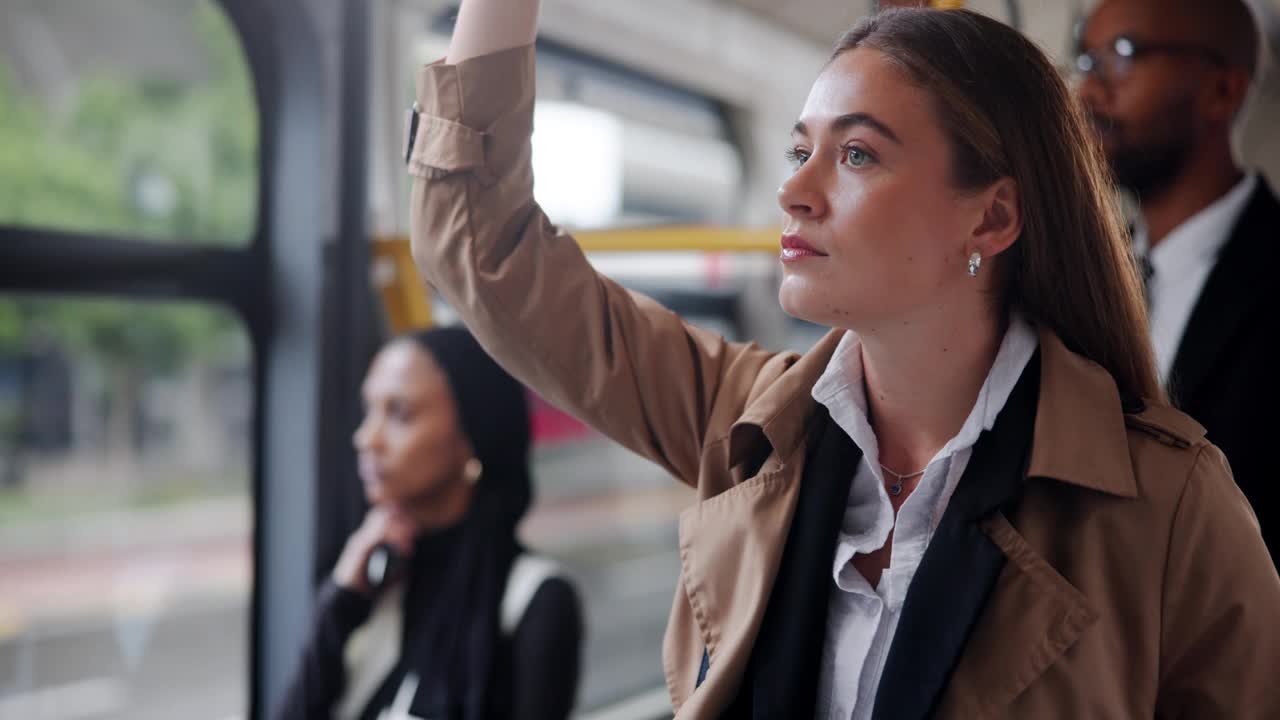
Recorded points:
(896, 488)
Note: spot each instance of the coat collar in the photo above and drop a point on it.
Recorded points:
(780, 414)
(1079, 438)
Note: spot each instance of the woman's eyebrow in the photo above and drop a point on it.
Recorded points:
(849, 120)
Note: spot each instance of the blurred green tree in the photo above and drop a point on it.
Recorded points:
(135, 156)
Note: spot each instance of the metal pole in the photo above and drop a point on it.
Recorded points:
(349, 329)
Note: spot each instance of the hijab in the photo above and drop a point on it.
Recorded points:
(453, 651)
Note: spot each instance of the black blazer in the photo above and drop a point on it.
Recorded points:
(1224, 373)
(946, 596)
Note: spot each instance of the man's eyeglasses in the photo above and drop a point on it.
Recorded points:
(1114, 61)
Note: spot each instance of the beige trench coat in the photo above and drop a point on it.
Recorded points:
(1136, 583)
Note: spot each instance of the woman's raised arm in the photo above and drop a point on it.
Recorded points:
(487, 26)
(617, 360)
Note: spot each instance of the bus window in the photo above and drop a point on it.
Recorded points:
(125, 509)
(131, 120)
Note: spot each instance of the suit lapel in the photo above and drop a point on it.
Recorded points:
(1032, 618)
(955, 577)
(783, 671)
(1237, 280)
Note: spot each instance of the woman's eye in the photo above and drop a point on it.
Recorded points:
(856, 156)
(399, 412)
(796, 156)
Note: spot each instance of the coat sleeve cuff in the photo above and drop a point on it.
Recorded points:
(462, 108)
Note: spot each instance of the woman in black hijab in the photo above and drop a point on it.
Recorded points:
(467, 625)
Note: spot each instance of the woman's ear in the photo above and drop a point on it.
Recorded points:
(1001, 222)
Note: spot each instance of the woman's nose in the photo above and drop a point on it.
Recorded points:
(799, 197)
(366, 435)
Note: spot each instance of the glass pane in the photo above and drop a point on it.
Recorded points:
(627, 172)
(610, 518)
(125, 510)
(134, 119)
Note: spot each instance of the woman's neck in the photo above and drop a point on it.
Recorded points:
(441, 509)
(922, 379)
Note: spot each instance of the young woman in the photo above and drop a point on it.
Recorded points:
(468, 626)
(970, 499)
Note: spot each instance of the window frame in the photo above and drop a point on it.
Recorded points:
(301, 292)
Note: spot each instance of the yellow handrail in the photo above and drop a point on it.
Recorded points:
(408, 303)
(668, 238)
(405, 298)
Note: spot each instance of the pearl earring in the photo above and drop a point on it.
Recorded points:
(975, 262)
(472, 470)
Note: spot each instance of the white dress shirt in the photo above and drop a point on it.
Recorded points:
(1182, 263)
(861, 620)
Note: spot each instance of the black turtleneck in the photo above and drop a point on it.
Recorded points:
(535, 669)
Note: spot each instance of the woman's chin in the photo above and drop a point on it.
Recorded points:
(798, 303)
(374, 493)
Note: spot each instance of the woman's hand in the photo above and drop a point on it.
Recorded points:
(381, 525)
(487, 26)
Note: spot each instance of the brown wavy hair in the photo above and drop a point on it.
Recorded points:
(1008, 113)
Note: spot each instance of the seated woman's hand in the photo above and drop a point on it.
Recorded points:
(381, 525)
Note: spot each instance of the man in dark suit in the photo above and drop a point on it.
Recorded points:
(1163, 81)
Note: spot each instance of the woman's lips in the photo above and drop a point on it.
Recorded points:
(369, 473)
(796, 248)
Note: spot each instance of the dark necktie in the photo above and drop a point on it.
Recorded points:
(1148, 271)
(1145, 268)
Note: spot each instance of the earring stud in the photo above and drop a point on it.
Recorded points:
(975, 262)
(472, 471)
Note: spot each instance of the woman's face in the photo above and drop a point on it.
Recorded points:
(410, 445)
(871, 197)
